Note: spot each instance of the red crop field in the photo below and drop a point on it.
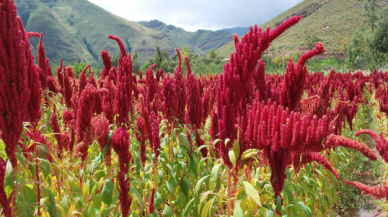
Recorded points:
(242, 143)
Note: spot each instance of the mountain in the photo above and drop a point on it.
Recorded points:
(199, 42)
(77, 30)
(330, 20)
(240, 31)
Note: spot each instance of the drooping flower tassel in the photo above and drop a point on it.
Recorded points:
(333, 141)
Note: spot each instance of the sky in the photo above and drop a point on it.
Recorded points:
(199, 14)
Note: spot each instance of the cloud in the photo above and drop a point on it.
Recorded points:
(199, 14)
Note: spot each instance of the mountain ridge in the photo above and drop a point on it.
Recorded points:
(77, 30)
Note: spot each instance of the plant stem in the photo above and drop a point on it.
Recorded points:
(37, 179)
(229, 211)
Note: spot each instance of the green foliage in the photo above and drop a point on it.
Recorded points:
(371, 9)
(77, 68)
(185, 52)
(165, 65)
(128, 46)
(310, 41)
(295, 56)
(135, 64)
(212, 55)
(380, 37)
(278, 61)
(164, 55)
(361, 52)
(147, 64)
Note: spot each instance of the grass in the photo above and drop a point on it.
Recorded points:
(339, 18)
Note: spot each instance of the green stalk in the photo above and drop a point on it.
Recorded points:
(229, 211)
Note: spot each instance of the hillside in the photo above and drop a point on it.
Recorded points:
(77, 30)
(330, 20)
(240, 31)
(199, 42)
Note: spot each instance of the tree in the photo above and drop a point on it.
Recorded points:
(310, 41)
(165, 66)
(278, 61)
(295, 56)
(212, 55)
(345, 43)
(158, 56)
(135, 56)
(164, 55)
(380, 36)
(128, 46)
(370, 11)
(147, 64)
(135, 66)
(115, 59)
(157, 52)
(185, 52)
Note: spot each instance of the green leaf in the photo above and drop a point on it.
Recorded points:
(106, 212)
(52, 209)
(188, 208)
(138, 197)
(96, 200)
(185, 142)
(215, 175)
(107, 192)
(238, 212)
(171, 186)
(301, 206)
(249, 153)
(236, 148)
(232, 157)
(252, 192)
(198, 186)
(41, 151)
(167, 211)
(8, 179)
(269, 213)
(279, 204)
(206, 208)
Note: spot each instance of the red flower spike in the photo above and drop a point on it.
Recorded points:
(151, 203)
(381, 143)
(141, 138)
(82, 79)
(194, 98)
(120, 144)
(33, 34)
(120, 43)
(68, 117)
(236, 39)
(33, 105)
(123, 97)
(168, 98)
(107, 64)
(283, 27)
(333, 141)
(101, 130)
(179, 89)
(43, 64)
(309, 157)
(376, 191)
(85, 131)
(16, 62)
(56, 129)
(125, 199)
